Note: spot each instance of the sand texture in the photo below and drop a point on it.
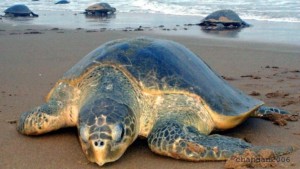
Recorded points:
(30, 63)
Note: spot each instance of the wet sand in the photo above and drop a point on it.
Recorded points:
(260, 31)
(33, 58)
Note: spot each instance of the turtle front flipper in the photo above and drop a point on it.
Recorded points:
(41, 120)
(276, 115)
(173, 139)
(58, 112)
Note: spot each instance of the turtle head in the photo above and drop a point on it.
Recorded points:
(106, 130)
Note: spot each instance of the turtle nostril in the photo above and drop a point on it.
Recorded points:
(99, 143)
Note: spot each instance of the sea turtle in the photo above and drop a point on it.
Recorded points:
(152, 88)
(19, 10)
(100, 9)
(223, 20)
(62, 2)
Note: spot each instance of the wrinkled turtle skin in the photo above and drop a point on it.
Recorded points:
(223, 20)
(100, 9)
(152, 88)
(19, 10)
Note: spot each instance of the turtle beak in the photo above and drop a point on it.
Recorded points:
(100, 163)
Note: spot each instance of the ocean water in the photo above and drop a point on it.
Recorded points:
(265, 10)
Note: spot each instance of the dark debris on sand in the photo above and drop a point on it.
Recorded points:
(277, 94)
(33, 32)
(11, 121)
(92, 30)
(228, 78)
(254, 93)
(251, 76)
(274, 67)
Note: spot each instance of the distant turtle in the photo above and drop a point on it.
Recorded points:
(152, 88)
(19, 10)
(62, 2)
(223, 20)
(100, 9)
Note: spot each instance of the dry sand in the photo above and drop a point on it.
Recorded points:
(31, 63)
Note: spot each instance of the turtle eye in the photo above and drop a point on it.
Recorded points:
(99, 143)
(120, 132)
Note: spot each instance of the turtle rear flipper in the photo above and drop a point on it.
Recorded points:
(34, 15)
(173, 139)
(276, 115)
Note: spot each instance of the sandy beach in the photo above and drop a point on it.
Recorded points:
(33, 58)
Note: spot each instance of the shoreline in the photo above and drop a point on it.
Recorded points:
(259, 31)
(31, 63)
